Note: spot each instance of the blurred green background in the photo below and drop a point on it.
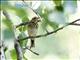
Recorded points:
(63, 45)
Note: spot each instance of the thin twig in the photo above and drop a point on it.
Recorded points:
(46, 34)
(22, 24)
(74, 21)
(30, 50)
(32, 9)
(75, 24)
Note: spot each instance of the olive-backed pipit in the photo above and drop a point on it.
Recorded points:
(32, 29)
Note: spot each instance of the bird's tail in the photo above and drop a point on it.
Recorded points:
(32, 43)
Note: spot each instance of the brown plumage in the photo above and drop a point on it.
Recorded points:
(32, 29)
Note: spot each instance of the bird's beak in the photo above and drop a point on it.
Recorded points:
(39, 20)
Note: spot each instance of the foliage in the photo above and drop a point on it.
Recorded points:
(13, 54)
(22, 13)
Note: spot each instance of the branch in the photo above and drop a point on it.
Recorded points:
(46, 34)
(30, 50)
(18, 50)
(17, 46)
(74, 21)
(76, 24)
(2, 51)
(6, 14)
(22, 24)
(16, 43)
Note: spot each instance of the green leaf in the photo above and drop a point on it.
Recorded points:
(53, 25)
(23, 42)
(22, 28)
(46, 21)
(13, 54)
(57, 2)
(22, 14)
(19, 11)
(59, 5)
(8, 34)
(45, 18)
(5, 49)
(44, 24)
(25, 18)
(8, 23)
(59, 8)
(24, 57)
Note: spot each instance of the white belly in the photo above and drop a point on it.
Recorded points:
(32, 32)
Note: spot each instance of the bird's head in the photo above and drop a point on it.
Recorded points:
(35, 19)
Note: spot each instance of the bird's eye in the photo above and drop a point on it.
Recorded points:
(34, 18)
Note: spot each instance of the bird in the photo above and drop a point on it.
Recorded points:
(32, 29)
